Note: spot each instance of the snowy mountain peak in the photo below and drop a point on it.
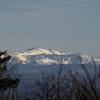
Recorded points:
(24, 56)
(50, 56)
(40, 51)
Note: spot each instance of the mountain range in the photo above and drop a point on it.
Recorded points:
(42, 56)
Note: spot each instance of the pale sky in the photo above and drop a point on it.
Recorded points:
(56, 24)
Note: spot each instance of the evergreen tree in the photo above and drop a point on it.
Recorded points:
(4, 58)
(5, 80)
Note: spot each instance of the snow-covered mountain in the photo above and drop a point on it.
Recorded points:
(40, 56)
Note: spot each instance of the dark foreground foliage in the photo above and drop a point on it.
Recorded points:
(6, 81)
(60, 86)
(68, 86)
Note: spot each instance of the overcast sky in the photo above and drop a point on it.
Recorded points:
(59, 24)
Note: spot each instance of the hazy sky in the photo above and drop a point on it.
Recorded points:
(60, 24)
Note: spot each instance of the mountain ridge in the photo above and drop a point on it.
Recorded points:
(40, 56)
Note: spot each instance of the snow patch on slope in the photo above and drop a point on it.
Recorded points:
(46, 61)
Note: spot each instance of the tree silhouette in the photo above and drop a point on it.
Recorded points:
(5, 80)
